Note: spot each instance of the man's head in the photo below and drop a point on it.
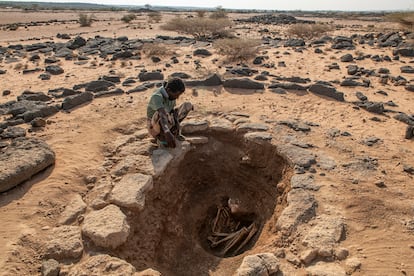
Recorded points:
(174, 87)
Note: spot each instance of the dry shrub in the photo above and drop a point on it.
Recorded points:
(154, 17)
(200, 28)
(308, 31)
(152, 49)
(218, 13)
(128, 17)
(405, 19)
(237, 49)
(85, 20)
(201, 13)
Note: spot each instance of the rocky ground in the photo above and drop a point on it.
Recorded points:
(313, 136)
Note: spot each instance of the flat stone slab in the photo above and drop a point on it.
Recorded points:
(76, 207)
(301, 208)
(252, 127)
(65, 243)
(101, 265)
(258, 137)
(304, 181)
(22, 159)
(326, 234)
(221, 125)
(107, 227)
(298, 156)
(326, 269)
(130, 191)
(258, 264)
(192, 126)
(197, 140)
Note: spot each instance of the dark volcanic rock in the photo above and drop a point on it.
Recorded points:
(202, 52)
(99, 85)
(407, 69)
(294, 43)
(75, 100)
(180, 75)
(405, 50)
(243, 83)
(147, 76)
(288, 86)
(402, 117)
(34, 96)
(117, 91)
(22, 159)
(54, 70)
(213, 80)
(122, 55)
(274, 19)
(76, 43)
(13, 132)
(347, 58)
(327, 90)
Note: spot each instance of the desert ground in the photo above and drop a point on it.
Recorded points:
(330, 177)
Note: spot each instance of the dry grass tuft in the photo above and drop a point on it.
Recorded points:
(151, 49)
(154, 17)
(128, 17)
(85, 20)
(308, 31)
(238, 49)
(405, 19)
(199, 28)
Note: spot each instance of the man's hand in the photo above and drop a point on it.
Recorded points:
(170, 139)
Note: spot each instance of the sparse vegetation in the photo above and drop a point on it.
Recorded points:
(218, 13)
(158, 49)
(128, 17)
(154, 17)
(237, 49)
(200, 28)
(201, 13)
(85, 20)
(308, 31)
(405, 19)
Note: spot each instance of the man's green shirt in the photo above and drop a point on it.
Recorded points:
(159, 100)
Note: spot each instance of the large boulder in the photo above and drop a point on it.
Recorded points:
(130, 191)
(22, 159)
(107, 227)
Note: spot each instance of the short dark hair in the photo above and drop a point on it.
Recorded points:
(176, 85)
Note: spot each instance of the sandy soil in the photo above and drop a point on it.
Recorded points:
(377, 219)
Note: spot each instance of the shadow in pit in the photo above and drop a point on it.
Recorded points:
(172, 233)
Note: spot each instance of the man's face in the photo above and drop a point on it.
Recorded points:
(173, 95)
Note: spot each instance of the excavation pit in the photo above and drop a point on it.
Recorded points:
(219, 201)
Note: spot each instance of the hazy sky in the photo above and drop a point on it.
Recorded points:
(354, 5)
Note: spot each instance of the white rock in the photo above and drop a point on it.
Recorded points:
(326, 269)
(107, 227)
(197, 140)
(263, 264)
(65, 243)
(76, 207)
(130, 191)
(221, 125)
(326, 233)
(192, 126)
(102, 265)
